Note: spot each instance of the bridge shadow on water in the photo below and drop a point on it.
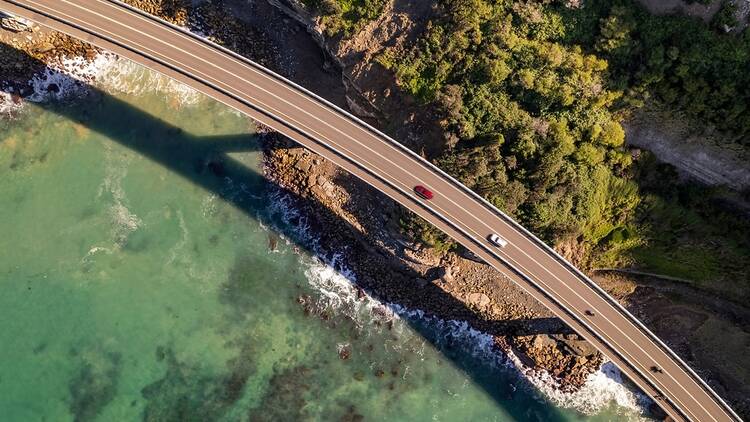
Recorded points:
(205, 162)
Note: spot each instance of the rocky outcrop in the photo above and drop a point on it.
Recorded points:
(14, 24)
(174, 11)
(702, 157)
(565, 356)
(23, 55)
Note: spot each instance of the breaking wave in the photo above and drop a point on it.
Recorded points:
(9, 103)
(124, 221)
(127, 77)
(68, 78)
(336, 284)
(601, 388)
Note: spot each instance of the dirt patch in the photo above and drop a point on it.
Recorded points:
(712, 335)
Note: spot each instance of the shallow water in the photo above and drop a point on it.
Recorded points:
(145, 274)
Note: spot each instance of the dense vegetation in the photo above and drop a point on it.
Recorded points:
(682, 63)
(529, 120)
(532, 95)
(689, 231)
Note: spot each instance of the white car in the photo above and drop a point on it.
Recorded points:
(497, 240)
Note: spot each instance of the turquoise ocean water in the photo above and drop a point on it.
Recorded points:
(146, 275)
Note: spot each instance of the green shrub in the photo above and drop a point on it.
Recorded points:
(345, 16)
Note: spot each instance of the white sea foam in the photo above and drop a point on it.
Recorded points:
(337, 287)
(68, 77)
(178, 248)
(600, 389)
(7, 104)
(127, 77)
(124, 221)
(93, 251)
(62, 79)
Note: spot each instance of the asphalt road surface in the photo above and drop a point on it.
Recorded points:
(389, 167)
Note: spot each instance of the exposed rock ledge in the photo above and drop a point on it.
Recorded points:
(697, 156)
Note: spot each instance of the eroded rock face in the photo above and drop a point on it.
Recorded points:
(567, 357)
(704, 158)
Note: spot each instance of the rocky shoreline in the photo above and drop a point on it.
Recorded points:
(345, 211)
(29, 52)
(351, 218)
(342, 210)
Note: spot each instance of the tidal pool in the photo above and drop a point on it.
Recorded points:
(149, 272)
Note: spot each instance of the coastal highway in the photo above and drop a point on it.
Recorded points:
(394, 170)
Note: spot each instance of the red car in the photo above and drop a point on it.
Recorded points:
(423, 192)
